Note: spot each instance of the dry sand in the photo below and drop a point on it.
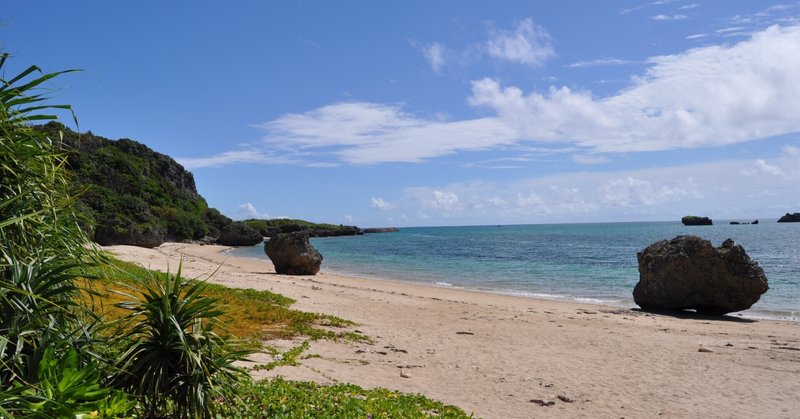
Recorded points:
(493, 354)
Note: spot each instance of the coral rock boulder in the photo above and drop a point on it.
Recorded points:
(292, 254)
(688, 272)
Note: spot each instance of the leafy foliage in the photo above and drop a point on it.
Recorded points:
(279, 398)
(47, 367)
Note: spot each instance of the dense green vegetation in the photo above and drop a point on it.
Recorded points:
(82, 335)
(132, 194)
(269, 228)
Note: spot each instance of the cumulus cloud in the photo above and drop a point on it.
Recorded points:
(667, 193)
(247, 211)
(528, 43)
(630, 191)
(435, 54)
(379, 204)
(706, 96)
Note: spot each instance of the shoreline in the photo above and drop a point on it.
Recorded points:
(495, 354)
(626, 303)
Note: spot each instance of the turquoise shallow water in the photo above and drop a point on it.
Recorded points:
(581, 262)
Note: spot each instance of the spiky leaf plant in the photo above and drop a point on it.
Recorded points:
(176, 363)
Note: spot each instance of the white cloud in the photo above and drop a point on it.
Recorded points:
(601, 62)
(247, 211)
(706, 96)
(348, 219)
(528, 43)
(768, 169)
(630, 191)
(589, 159)
(791, 150)
(668, 17)
(718, 189)
(435, 54)
(696, 36)
(369, 133)
(227, 158)
(379, 204)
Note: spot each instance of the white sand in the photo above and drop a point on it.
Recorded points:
(492, 354)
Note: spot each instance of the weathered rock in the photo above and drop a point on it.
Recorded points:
(687, 272)
(239, 234)
(142, 235)
(292, 254)
(790, 218)
(693, 220)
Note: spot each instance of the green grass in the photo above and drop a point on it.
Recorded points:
(279, 398)
(249, 314)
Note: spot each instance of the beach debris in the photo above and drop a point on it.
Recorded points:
(564, 398)
(404, 374)
(542, 402)
(706, 350)
(315, 287)
(688, 272)
(292, 254)
(465, 333)
(430, 351)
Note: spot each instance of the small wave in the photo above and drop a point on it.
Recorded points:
(442, 284)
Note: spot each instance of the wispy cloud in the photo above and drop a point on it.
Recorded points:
(435, 54)
(664, 17)
(528, 43)
(602, 62)
(708, 96)
(589, 159)
(370, 133)
(230, 157)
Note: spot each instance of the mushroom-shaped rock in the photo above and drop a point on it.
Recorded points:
(688, 272)
(292, 254)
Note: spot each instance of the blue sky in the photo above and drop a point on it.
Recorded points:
(446, 112)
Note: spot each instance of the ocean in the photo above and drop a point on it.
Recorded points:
(593, 263)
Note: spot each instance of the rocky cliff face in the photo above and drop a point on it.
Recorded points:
(131, 193)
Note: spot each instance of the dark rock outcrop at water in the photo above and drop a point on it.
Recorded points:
(693, 220)
(292, 254)
(790, 218)
(381, 230)
(687, 272)
(239, 234)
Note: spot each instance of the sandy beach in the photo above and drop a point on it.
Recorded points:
(508, 357)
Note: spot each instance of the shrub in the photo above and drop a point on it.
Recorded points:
(176, 363)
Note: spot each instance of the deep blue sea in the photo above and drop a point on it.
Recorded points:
(593, 263)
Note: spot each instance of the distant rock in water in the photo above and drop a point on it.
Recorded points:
(292, 254)
(687, 272)
(790, 218)
(693, 220)
(239, 234)
(736, 223)
(381, 230)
